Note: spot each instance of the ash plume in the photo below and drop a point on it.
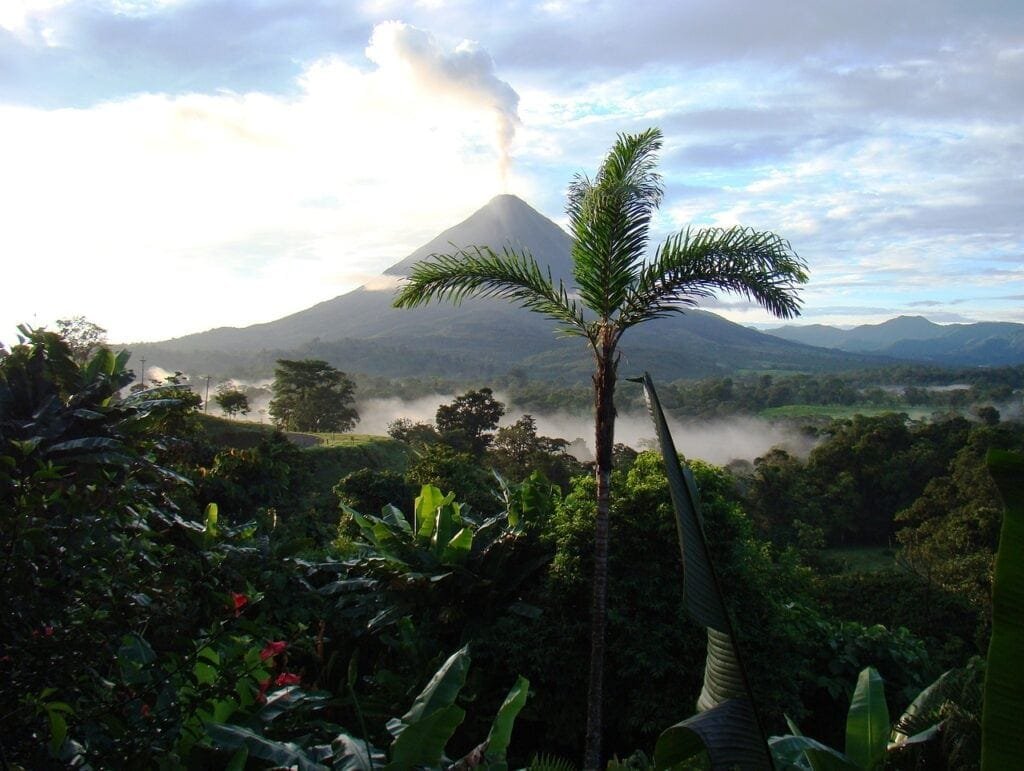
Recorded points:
(465, 74)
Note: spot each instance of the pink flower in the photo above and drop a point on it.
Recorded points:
(272, 649)
(287, 678)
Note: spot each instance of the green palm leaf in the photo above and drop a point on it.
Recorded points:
(696, 263)
(609, 218)
(478, 271)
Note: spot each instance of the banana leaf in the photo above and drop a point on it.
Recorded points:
(728, 731)
(500, 734)
(921, 719)
(422, 733)
(1002, 740)
(286, 754)
(867, 722)
(728, 723)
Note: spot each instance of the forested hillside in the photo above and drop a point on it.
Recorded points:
(210, 593)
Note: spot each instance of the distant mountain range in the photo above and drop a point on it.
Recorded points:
(359, 332)
(915, 338)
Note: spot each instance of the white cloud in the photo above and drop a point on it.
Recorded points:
(249, 206)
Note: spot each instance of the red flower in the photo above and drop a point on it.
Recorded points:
(287, 678)
(272, 649)
(144, 710)
(238, 601)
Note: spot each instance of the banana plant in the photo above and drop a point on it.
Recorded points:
(727, 725)
(419, 736)
(869, 737)
(1002, 741)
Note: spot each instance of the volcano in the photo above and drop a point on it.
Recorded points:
(360, 332)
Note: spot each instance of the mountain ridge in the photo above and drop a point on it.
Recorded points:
(360, 331)
(915, 338)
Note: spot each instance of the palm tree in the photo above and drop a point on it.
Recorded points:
(609, 220)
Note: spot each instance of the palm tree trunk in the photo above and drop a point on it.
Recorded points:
(604, 425)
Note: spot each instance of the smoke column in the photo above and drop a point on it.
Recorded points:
(465, 74)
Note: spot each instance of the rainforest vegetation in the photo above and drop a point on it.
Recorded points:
(181, 591)
(185, 591)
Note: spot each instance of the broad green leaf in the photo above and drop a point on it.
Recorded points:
(922, 713)
(58, 727)
(238, 760)
(211, 521)
(134, 655)
(1002, 740)
(354, 754)
(422, 742)
(442, 689)
(447, 524)
(426, 506)
(700, 591)
(458, 547)
(867, 722)
(802, 752)
(87, 444)
(723, 678)
(207, 662)
(394, 516)
(501, 729)
(729, 733)
(287, 754)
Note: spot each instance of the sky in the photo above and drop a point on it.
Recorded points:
(169, 166)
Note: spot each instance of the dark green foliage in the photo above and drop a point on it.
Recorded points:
(369, 489)
(311, 395)
(232, 401)
(949, 534)
(83, 337)
(413, 433)
(449, 469)
(655, 655)
(946, 621)
(862, 473)
(466, 423)
(94, 544)
(275, 474)
(517, 451)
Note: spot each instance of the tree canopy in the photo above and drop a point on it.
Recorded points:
(311, 395)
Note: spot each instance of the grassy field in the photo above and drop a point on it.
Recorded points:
(840, 411)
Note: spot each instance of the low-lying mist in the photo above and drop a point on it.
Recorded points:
(715, 441)
(718, 441)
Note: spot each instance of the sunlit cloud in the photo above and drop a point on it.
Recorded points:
(286, 201)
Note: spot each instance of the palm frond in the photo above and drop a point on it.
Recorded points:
(609, 219)
(478, 271)
(699, 263)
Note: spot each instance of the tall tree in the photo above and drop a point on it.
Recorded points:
(84, 337)
(609, 218)
(232, 400)
(466, 422)
(311, 395)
